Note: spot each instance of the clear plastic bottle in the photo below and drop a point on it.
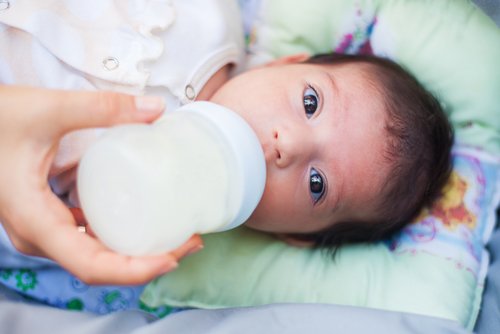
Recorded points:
(146, 188)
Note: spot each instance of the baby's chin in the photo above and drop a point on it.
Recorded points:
(287, 238)
(258, 225)
(263, 225)
(251, 224)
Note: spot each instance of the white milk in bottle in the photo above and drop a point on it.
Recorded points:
(146, 188)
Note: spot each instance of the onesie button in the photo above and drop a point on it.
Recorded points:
(190, 92)
(4, 5)
(110, 63)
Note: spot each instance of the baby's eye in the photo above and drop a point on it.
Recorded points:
(311, 100)
(316, 185)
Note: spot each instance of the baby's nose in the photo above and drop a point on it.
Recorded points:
(290, 147)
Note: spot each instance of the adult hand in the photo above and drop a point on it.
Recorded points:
(32, 121)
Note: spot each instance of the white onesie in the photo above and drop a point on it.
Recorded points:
(162, 47)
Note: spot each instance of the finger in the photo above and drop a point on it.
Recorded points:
(193, 245)
(81, 222)
(93, 263)
(77, 110)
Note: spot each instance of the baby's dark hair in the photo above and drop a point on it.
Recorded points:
(418, 149)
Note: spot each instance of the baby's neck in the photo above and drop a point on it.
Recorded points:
(214, 83)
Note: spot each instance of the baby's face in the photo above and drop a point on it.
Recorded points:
(322, 131)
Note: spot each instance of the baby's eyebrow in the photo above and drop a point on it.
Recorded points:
(332, 81)
(332, 92)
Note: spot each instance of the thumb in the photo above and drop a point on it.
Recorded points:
(82, 109)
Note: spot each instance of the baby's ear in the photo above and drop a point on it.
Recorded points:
(291, 59)
(293, 241)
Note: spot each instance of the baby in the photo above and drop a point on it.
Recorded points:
(354, 146)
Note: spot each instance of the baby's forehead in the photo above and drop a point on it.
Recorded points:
(361, 80)
(367, 77)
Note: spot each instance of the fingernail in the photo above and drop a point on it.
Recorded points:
(171, 266)
(195, 249)
(149, 103)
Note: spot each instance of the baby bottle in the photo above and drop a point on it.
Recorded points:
(146, 188)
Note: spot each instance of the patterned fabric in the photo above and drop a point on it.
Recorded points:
(461, 221)
(55, 287)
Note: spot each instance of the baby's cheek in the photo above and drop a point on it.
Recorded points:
(264, 217)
